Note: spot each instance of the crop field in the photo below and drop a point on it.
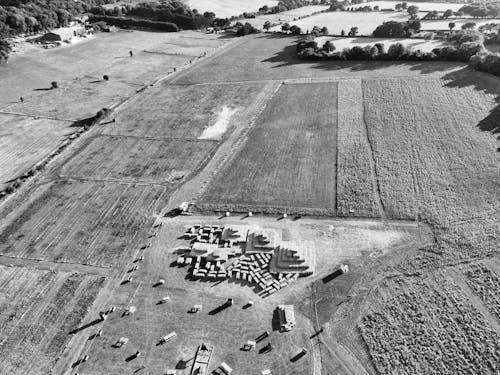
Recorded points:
(448, 165)
(138, 159)
(429, 326)
(279, 166)
(24, 141)
(37, 311)
(274, 57)
(170, 115)
(338, 21)
(84, 222)
(228, 8)
(486, 284)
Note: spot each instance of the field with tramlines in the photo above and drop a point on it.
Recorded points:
(138, 159)
(85, 222)
(38, 309)
(279, 167)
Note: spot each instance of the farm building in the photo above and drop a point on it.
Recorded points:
(64, 33)
(286, 317)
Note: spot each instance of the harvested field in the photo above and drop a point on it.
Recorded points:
(82, 222)
(230, 328)
(356, 182)
(37, 311)
(335, 22)
(279, 167)
(273, 56)
(181, 111)
(137, 159)
(24, 141)
(426, 327)
(446, 171)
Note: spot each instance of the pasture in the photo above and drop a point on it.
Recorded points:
(92, 223)
(443, 24)
(335, 22)
(137, 159)
(279, 168)
(24, 141)
(38, 309)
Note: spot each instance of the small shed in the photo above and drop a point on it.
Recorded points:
(64, 33)
(225, 368)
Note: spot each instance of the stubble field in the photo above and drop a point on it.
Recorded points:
(38, 309)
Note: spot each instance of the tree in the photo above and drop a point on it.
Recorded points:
(412, 10)
(448, 13)
(295, 30)
(468, 26)
(285, 27)
(267, 25)
(397, 7)
(324, 30)
(354, 31)
(404, 5)
(328, 46)
(376, 8)
(342, 33)
(451, 25)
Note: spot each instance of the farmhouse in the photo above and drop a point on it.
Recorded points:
(64, 33)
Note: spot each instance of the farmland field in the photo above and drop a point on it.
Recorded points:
(228, 8)
(24, 141)
(338, 21)
(279, 166)
(288, 16)
(443, 24)
(170, 115)
(416, 44)
(147, 160)
(424, 6)
(37, 311)
(89, 223)
(274, 57)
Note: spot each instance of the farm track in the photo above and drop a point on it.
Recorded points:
(148, 138)
(2, 112)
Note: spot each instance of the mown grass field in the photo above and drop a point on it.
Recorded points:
(228, 8)
(138, 159)
(24, 141)
(82, 222)
(423, 6)
(415, 44)
(281, 166)
(288, 16)
(38, 309)
(180, 111)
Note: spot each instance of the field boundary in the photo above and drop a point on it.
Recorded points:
(373, 165)
(35, 117)
(163, 139)
(40, 264)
